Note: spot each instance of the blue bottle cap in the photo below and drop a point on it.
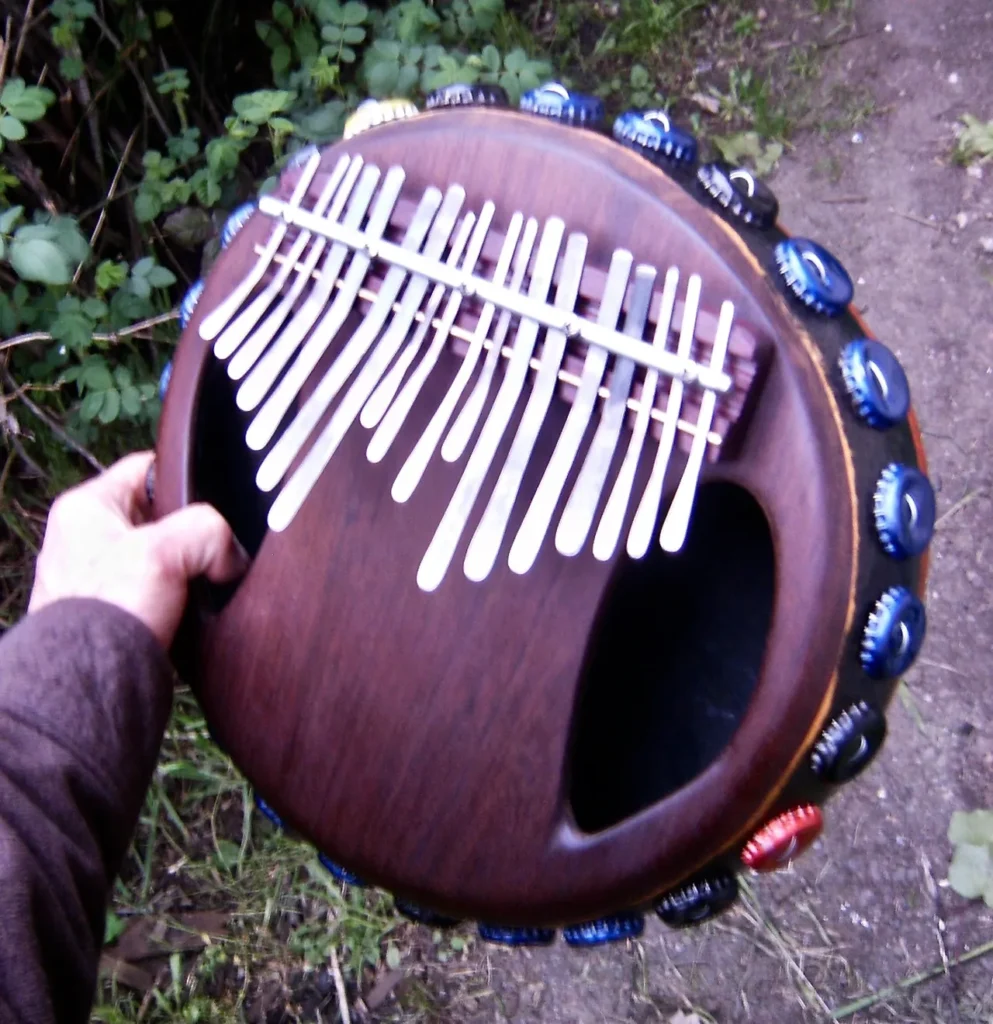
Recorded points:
(738, 191)
(422, 915)
(340, 874)
(875, 382)
(893, 634)
(849, 743)
(697, 901)
(904, 510)
(189, 304)
(814, 276)
(653, 134)
(556, 101)
(459, 95)
(266, 811)
(606, 929)
(516, 936)
(164, 380)
(235, 223)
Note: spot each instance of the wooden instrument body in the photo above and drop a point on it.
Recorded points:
(545, 748)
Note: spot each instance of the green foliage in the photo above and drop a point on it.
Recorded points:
(975, 141)
(20, 105)
(970, 873)
(747, 149)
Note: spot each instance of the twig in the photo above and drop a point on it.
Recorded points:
(979, 492)
(53, 426)
(339, 984)
(845, 199)
(29, 10)
(6, 50)
(110, 196)
(916, 219)
(939, 929)
(868, 1001)
(940, 664)
(112, 338)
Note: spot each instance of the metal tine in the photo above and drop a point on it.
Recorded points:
(268, 418)
(485, 545)
(249, 353)
(394, 419)
(643, 524)
(328, 320)
(215, 321)
(577, 518)
(465, 423)
(677, 520)
(529, 537)
(387, 388)
(239, 329)
(413, 469)
(278, 461)
(609, 531)
(440, 551)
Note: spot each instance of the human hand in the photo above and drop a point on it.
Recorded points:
(100, 543)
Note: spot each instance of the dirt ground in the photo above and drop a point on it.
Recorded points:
(855, 913)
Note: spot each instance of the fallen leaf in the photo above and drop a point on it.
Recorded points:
(385, 984)
(115, 969)
(709, 103)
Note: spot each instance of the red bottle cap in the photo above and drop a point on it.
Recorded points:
(783, 838)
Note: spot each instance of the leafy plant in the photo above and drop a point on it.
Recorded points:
(970, 873)
(21, 104)
(975, 141)
(747, 149)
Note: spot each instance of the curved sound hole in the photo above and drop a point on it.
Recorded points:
(674, 662)
(224, 467)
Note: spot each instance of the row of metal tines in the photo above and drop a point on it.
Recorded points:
(278, 323)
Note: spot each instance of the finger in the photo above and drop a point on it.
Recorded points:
(122, 486)
(197, 541)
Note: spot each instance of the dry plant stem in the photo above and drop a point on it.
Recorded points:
(339, 984)
(6, 52)
(25, 24)
(112, 338)
(110, 195)
(53, 426)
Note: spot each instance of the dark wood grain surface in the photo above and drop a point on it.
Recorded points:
(423, 739)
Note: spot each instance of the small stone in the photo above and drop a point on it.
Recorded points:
(888, 28)
(881, 793)
(858, 139)
(961, 219)
(953, 78)
(986, 244)
(860, 282)
(974, 171)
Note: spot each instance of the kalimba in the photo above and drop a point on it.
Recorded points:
(588, 522)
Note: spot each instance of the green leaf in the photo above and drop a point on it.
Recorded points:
(191, 226)
(161, 277)
(970, 871)
(28, 103)
(111, 407)
(282, 58)
(382, 77)
(94, 308)
(72, 68)
(147, 206)
(96, 375)
(91, 406)
(9, 219)
(143, 267)
(282, 15)
(228, 854)
(353, 34)
(110, 275)
(71, 240)
(223, 155)
(282, 126)
(353, 13)
(131, 402)
(40, 260)
(491, 57)
(973, 827)
(11, 128)
(73, 328)
(113, 928)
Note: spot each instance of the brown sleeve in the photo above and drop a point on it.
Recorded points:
(85, 692)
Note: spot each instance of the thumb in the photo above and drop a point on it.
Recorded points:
(197, 541)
